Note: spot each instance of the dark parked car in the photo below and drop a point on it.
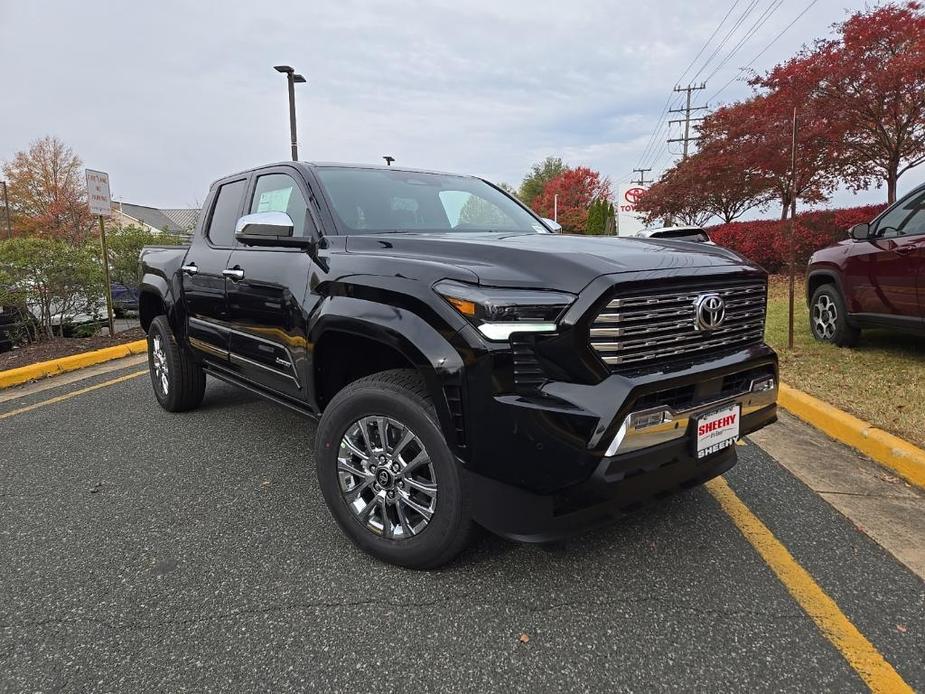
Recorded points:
(466, 365)
(15, 324)
(873, 279)
(124, 299)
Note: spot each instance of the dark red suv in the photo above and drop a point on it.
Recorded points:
(874, 279)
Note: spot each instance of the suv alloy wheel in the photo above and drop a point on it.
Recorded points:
(828, 319)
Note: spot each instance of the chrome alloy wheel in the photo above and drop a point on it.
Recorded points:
(387, 478)
(161, 371)
(825, 317)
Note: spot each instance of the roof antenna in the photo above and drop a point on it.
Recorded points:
(388, 160)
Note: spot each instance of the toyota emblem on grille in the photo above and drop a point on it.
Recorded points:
(709, 311)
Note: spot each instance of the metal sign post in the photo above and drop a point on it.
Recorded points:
(793, 212)
(100, 203)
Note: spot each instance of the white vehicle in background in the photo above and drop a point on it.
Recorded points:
(690, 233)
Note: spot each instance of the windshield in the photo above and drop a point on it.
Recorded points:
(376, 201)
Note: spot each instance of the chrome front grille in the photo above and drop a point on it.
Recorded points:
(660, 325)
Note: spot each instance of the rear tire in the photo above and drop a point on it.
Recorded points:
(828, 318)
(179, 382)
(384, 498)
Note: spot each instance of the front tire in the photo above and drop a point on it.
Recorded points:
(179, 382)
(828, 318)
(387, 474)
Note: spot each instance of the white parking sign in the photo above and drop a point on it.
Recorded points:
(98, 193)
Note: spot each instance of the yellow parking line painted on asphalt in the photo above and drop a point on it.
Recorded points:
(72, 394)
(860, 653)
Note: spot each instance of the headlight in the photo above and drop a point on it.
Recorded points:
(498, 312)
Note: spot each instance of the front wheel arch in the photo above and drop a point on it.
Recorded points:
(408, 341)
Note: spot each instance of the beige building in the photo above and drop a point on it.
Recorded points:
(156, 220)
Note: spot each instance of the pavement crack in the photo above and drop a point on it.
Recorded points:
(862, 494)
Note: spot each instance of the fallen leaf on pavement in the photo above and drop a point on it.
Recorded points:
(524, 638)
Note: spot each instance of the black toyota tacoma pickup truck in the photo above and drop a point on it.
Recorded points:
(466, 365)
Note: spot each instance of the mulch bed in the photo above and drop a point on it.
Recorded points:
(63, 347)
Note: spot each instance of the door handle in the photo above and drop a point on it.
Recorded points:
(235, 274)
(190, 269)
(904, 250)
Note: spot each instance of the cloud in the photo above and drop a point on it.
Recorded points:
(168, 96)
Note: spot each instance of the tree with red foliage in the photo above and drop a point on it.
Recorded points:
(754, 136)
(577, 188)
(675, 197)
(871, 78)
(706, 184)
(47, 192)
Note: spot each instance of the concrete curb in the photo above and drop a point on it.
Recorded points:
(902, 457)
(53, 367)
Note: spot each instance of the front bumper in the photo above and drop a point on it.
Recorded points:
(543, 468)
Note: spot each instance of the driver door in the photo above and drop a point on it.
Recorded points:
(899, 270)
(886, 271)
(268, 298)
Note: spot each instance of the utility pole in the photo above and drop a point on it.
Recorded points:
(388, 160)
(293, 78)
(642, 176)
(687, 139)
(6, 204)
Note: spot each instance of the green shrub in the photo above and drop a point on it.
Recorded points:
(125, 244)
(57, 282)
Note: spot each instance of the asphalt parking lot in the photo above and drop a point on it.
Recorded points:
(146, 551)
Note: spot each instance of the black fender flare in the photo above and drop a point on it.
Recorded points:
(829, 274)
(157, 285)
(402, 330)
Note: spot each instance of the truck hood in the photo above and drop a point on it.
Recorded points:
(551, 261)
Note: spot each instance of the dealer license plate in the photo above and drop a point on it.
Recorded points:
(717, 429)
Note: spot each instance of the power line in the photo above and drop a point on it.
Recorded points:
(655, 136)
(656, 132)
(710, 38)
(763, 51)
(761, 21)
(747, 11)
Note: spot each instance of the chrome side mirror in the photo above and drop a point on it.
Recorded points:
(554, 227)
(264, 224)
(269, 229)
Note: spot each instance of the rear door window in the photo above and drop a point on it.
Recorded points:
(225, 213)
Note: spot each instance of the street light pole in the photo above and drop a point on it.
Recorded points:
(292, 78)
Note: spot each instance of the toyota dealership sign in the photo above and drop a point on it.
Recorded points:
(628, 220)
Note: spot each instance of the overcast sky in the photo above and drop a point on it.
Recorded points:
(167, 96)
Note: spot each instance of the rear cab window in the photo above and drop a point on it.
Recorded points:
(225, 213)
